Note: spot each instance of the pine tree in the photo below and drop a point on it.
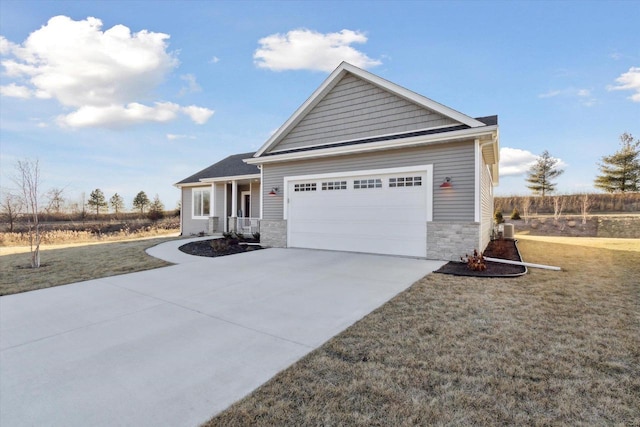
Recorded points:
(97, 200)
(620, 172)
(117, 203)
(141, 201)
(156, 210)
(542, 172)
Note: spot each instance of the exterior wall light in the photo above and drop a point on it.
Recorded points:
(447, 183)
(274, 191)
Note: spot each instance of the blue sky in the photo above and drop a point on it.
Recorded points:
(130, 96)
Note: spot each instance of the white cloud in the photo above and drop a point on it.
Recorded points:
(514, 161)
(305, 49)
(629, 81)
(101, 73)
(199, 115)
(192, 85)
(173, 137)
(113, 116)
(6, 47)
(15, 91)
(214, 60)
(584, 95)
(550, 94)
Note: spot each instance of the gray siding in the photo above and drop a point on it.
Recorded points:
(189, 225)
(486, 205)
(255, 200)
(356, 109)
(218, 207)
(454, 160)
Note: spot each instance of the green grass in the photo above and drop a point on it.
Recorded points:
(548, 348)
(74, 264)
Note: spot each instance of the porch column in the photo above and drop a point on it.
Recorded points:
(234, 198)
(212, 202)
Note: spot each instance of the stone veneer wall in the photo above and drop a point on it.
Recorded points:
(627, 227)
(273, 233)
(213, 225)
(449, 240)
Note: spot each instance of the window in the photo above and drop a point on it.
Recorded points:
(334, 185)
(407, 181)
(367, 183)
(201, 202)
(309, 186)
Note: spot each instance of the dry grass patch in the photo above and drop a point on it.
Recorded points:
(74, 264)
(549, 348)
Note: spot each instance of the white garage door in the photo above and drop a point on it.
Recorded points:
(384, 213)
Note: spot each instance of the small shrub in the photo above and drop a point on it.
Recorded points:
(515, 215)
(256, 236)
(220, 245)
(475, 262)
(240, 236)
(497, 217)
(227, 234)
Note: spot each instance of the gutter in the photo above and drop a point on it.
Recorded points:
(438, 138)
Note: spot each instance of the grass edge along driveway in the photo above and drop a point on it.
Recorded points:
(548, 348)
(77, 263)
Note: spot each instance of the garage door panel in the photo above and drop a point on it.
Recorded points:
(384, 220)
(355, 243)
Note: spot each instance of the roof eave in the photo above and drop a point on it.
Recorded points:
(376, 146)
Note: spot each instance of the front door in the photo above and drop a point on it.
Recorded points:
(246, 204)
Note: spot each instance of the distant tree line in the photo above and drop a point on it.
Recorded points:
(27, 203)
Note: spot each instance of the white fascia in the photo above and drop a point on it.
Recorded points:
(188, 184)
(230, 178)
(376, 146)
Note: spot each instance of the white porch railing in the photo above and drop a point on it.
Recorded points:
(248, 225)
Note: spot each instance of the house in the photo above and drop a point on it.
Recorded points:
(363, 165)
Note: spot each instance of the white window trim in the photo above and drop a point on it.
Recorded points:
(428, 183)
(193, 202)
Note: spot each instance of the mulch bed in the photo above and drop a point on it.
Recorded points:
(503, 249)
(204, 248)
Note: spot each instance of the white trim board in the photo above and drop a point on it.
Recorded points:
(380, 145)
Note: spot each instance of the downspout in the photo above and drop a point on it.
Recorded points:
(479, 182)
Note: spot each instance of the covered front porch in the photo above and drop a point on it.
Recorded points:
(235, 204)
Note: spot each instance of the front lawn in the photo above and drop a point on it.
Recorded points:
(73, 264)
(548, 348)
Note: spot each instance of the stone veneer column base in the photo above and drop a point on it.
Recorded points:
(213, 224)
(450, 240)
(273, 233)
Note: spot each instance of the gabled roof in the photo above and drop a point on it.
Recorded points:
(333, 79)
(228, 167)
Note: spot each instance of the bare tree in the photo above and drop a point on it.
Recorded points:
(558, 206)
(56, 201)
(526, 208)
(11, 208)
(28, 181)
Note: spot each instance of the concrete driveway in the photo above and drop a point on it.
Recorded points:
(176, 345)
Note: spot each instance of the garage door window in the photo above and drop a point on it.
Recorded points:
(407, 181)
(359, 184)
(334, 185)
(309, 186)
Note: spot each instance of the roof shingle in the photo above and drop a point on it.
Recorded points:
(228, 167)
